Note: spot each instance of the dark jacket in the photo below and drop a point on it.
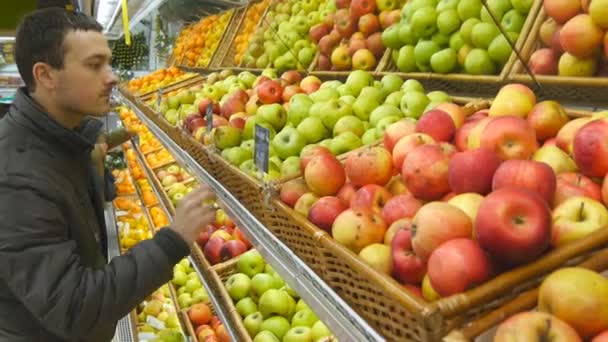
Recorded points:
(55, 284)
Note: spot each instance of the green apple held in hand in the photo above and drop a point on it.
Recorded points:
(312, 130)
(253, 322)
(238, 286)
(251, 263)
(288, 142)
(246, 307)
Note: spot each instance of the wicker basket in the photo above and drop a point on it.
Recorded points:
(482, 85)
(192, 80)
(525, 301)
(578, 89)
(229, 34)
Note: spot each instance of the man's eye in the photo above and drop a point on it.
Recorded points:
(95, 66)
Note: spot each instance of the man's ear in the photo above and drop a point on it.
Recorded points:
(44, 76)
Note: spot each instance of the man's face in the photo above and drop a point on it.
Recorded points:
(86, 79)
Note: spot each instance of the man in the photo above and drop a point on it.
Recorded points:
(55, 284)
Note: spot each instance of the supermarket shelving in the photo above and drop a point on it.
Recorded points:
(345, 323)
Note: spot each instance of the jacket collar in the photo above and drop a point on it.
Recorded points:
(28, 112)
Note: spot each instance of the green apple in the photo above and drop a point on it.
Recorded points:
(266, 336)
(290, 292)
(274, 301)
(439, 96)
(184, 300)
(424, 22)
(288, 142)
(456, 41)
(357, 80)
(319, 331)
(448, 21)
(325, 143)
(394, 98)
(291, 167)
(522, 6)
(173, 102)
(344, 90)
(268, 269)
(298, 334)
(226, 136)
(469, 9)
(331, 84)
(304, 318)
(406, 59)
(412, 85)
(277, 325)
(372, 93)
(413, 6)
(306, 56)
(324, 94)
(249, 168)
(238, 286)
(513, 21)
(179, 278)
(384, 123)
(423, 52)
(249, 129)
(369, 136)
(252, 323)
(333, 110)
(500, 50)
(391, 83)
(349, 123)
(200, 296)
(444, 61)
(413, 104)
(262, 282)
(273, 114)
(478, 62)
(406, 35)
(270, 73)
(384, 111)
(248, 145)
(236, 155)
(292, 306)
(466, 29)
(247, 78)
(301, 305)
(344, 142)
(445, 5)
(483, 34)
(312, 129)
(246, 306)
(251, 263)
(390, 37)
(192, 285)
(348, 99)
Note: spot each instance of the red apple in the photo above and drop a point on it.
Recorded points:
(375, 45)
(438, 124)
(474, 136)
(371, 196)
(458, 265)
(407, 144)
(396, 131)
(547, 31)
(543, 62)
(370, 165)
(318, 31)
(324, 63)
(213, 250)
(561, 10)
(414, 290)
(407, 267)
(388, 18)
(535, 326)
(292, 190)
(308, 154)
(462, 135)
(270, 92)
(400, 206)
(547, 118)
(513, 225)
(565, 136)
(364, 59)
(344, 24)
(590, 148)
(556, 44)
(236, 120)
(290, 91)
(327, 44)
(436, 223)
(404, 223)
(425, 171)
(369, 24)
(232, 105)
(359, 8)
(310, 84)
(305, 202)
(472, 171)
(534, 176)
(358, 228)
(571, 184)
(581, 36)
(204, 236)
(603, 337)
(347, 193)
(203, 104)
(511, 137)
(355, 45)
(340, 58)
(232, 249)
(239, 235)
(455, 112)
(324, 175)
(342, 3)
(324, 212)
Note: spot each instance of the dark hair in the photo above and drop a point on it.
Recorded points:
(40, 38)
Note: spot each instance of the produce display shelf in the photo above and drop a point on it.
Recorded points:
(330, 308)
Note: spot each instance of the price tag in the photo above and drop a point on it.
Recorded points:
(262, 140)
(155, 323)
(209, 116)
(159, 97)
(121, 213)
(146, 336)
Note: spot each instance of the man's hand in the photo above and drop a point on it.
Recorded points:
(192, 215)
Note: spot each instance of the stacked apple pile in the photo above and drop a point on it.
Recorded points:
(351, 37)
(188, 286)
(573, 306)
(222, 240)
(574, 39)
(452, 36)
(284, 43)
(208, 328)
(451, 195)
(157, 318)
(268, 305)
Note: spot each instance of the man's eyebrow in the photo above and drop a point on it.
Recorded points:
(99, 56)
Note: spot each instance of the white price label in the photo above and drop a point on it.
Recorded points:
(146, 336)
(121, 213)
(155, 323)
